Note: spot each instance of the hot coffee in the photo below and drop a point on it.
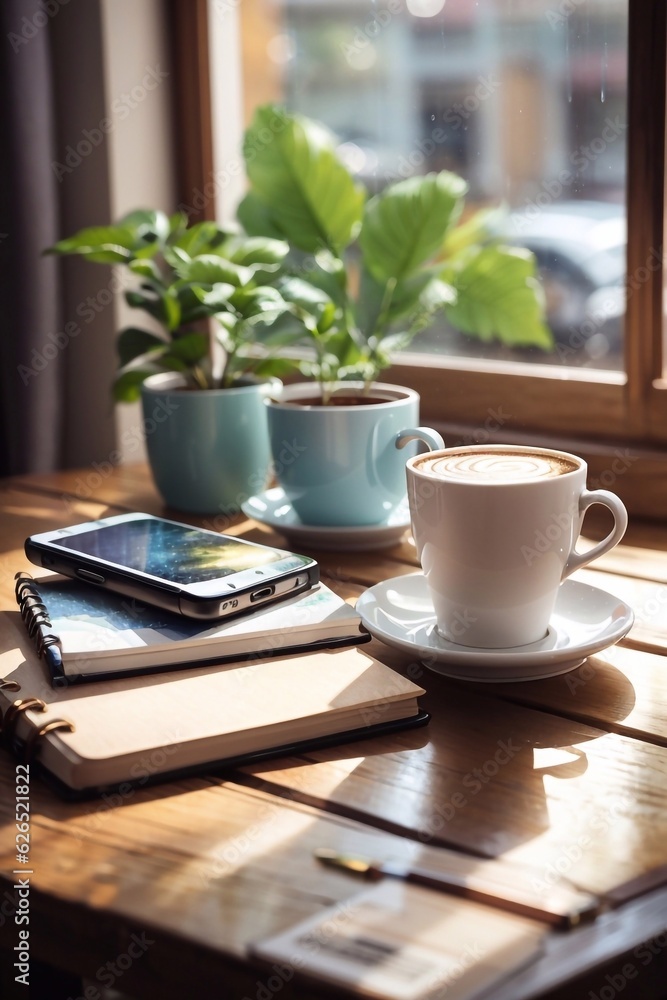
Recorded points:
(496, 530)
(495, 466)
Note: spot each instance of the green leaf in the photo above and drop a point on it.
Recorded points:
(255, 301)
(106, 255)
(303, 294)
(257, 218)
(200, 238)
(274, 366)
(192, 307)
(361, 371)
(148, 225)
(256, 250)
(133, 342)
(139, 234)
(293, 168)
(279, 332)
(172, 309)
(410, 308)
(175, 257)
(405, 225)
(146, 268)
(190, 348)
(436, 295)
(394, 342)
(209, 269)
(498, 295)
(327, 317)
(127, 386)
(228, 321)
(152, 304)
(481, 227)
(408, 293)
(215, 298)
(104, 244)
(162, 304)
(368, 307)
(172, 363)
(322, 271)
(178, 223)
(382, 305)
(341, 348)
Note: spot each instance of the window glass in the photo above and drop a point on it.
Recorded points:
(526, 99)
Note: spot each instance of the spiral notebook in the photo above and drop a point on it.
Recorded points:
(84, 633)
(133, 731)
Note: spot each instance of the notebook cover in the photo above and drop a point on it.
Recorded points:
(72, 623)
(210, 716)
(126, 789)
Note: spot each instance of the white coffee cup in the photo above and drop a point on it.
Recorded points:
(496, 528)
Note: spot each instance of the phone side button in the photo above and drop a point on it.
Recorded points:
(89, 576)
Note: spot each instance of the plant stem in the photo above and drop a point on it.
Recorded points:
(199, 378)
(388, 294)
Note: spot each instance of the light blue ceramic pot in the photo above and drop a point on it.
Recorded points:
(345, 464)
(208, 449)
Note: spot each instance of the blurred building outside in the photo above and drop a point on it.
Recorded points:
(526, 99)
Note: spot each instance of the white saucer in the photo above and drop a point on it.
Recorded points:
(274, 509)
(586, 620)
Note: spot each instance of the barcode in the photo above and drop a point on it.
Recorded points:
(370, 952)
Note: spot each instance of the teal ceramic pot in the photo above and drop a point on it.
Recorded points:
(344, 464)
(208, 449)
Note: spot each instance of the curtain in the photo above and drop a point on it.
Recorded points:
(31, 336)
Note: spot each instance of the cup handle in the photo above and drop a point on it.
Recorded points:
(578, 559)
(427, 435)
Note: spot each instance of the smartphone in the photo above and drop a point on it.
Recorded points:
(191, 571)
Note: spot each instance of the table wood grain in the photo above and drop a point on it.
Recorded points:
(554, 782)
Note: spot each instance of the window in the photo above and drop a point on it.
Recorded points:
(531, 99)
(527, 103)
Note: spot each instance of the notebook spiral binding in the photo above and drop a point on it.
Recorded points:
(33, 612)
(26, 749)
(37, 622)
(31, 744)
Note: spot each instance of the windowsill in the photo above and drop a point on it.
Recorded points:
(493, 367)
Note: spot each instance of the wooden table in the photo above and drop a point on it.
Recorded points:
(201, 867)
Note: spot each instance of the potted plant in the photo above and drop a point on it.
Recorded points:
(201, 372)
(364, 276)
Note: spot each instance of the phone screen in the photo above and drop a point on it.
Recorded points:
(170, 551)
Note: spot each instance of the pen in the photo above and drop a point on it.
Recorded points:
(562, 908)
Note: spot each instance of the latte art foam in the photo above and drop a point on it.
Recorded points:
(496, 466)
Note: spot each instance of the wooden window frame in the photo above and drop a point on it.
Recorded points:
(187, 23)
(472, 399)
